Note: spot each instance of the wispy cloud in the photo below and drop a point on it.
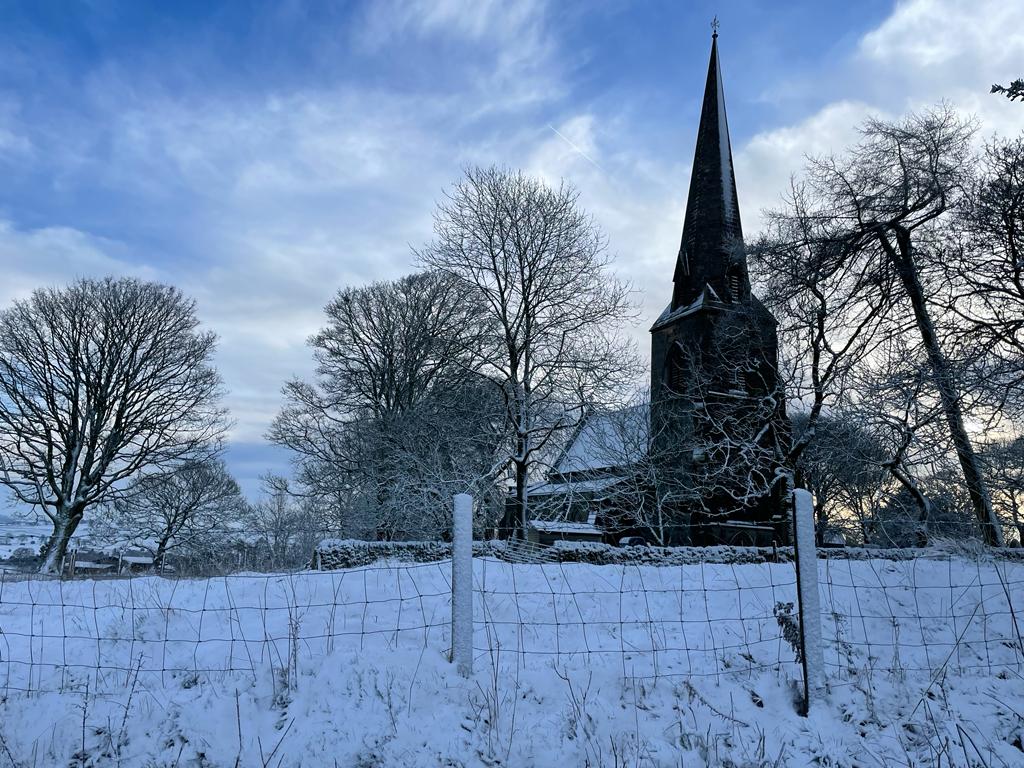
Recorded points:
(261, 194)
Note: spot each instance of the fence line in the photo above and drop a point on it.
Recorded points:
(941, 613)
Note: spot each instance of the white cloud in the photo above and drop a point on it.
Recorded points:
(765, 164)
(566, 150)
(13, 137)
(275, 200)
(54, 255)
(926, 51)
(280, 198)
(516, 60)
(944, 36)
(929, 50)
(472, 20)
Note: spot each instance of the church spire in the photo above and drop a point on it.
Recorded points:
(712, 234)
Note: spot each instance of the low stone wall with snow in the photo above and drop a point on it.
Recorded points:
(606, 554)
(333, 554)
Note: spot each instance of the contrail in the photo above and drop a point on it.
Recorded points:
(564, 138)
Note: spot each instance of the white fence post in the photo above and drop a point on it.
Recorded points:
(808, 598)
(462, 584)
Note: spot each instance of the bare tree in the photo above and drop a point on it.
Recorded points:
(397, 419)
(388, 345)
(284, 528)
(99, 381)
(985, 275)
(178, 509)
(1005, 462)
(884, 206)
(829, 313)
(541, 267)
(843, 467)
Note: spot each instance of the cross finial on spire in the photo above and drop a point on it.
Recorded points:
(714, 28)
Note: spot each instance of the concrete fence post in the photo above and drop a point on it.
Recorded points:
(462, 584)
(812, 654)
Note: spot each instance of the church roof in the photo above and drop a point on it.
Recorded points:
(711, 228)
(564, 487)
(607, 441)
(706, 299)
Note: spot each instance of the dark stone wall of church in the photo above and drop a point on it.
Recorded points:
(718, 421)
(714, 382)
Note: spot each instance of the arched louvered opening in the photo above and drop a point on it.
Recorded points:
(677, 370)
(735, 284)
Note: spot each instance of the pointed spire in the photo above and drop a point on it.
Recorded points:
(712, 232)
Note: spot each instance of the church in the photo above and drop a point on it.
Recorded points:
(698, 462)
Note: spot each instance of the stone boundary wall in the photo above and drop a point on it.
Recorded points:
(334, 554)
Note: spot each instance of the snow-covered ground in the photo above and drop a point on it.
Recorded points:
(15, 535)
(574, 665)
(27, 534)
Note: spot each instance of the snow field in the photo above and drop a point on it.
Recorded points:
(574, 665)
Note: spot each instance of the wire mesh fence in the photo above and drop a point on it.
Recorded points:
(935, 614)
(650, 621)
(106, 635)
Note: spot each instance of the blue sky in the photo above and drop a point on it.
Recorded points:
(261, 155)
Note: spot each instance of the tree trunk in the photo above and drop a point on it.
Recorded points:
(161, 551)
(942, 375)
(57, 545)
(1018, 522)
(924, 505)
(517, 522)
(821, 516)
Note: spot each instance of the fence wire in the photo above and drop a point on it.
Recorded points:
(934, 614)
(105, 635)
(652, 621)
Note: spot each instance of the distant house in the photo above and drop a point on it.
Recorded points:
(95, 561)
(136, 560)
(92, 561)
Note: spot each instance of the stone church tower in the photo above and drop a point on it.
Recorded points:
(717, 413)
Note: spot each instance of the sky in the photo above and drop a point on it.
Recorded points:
(262, 155)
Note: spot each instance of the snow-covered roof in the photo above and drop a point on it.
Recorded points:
(558, 526)
(579, 486)
(708, 297)
(92, 565)
(607, 440)
(668, 314)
